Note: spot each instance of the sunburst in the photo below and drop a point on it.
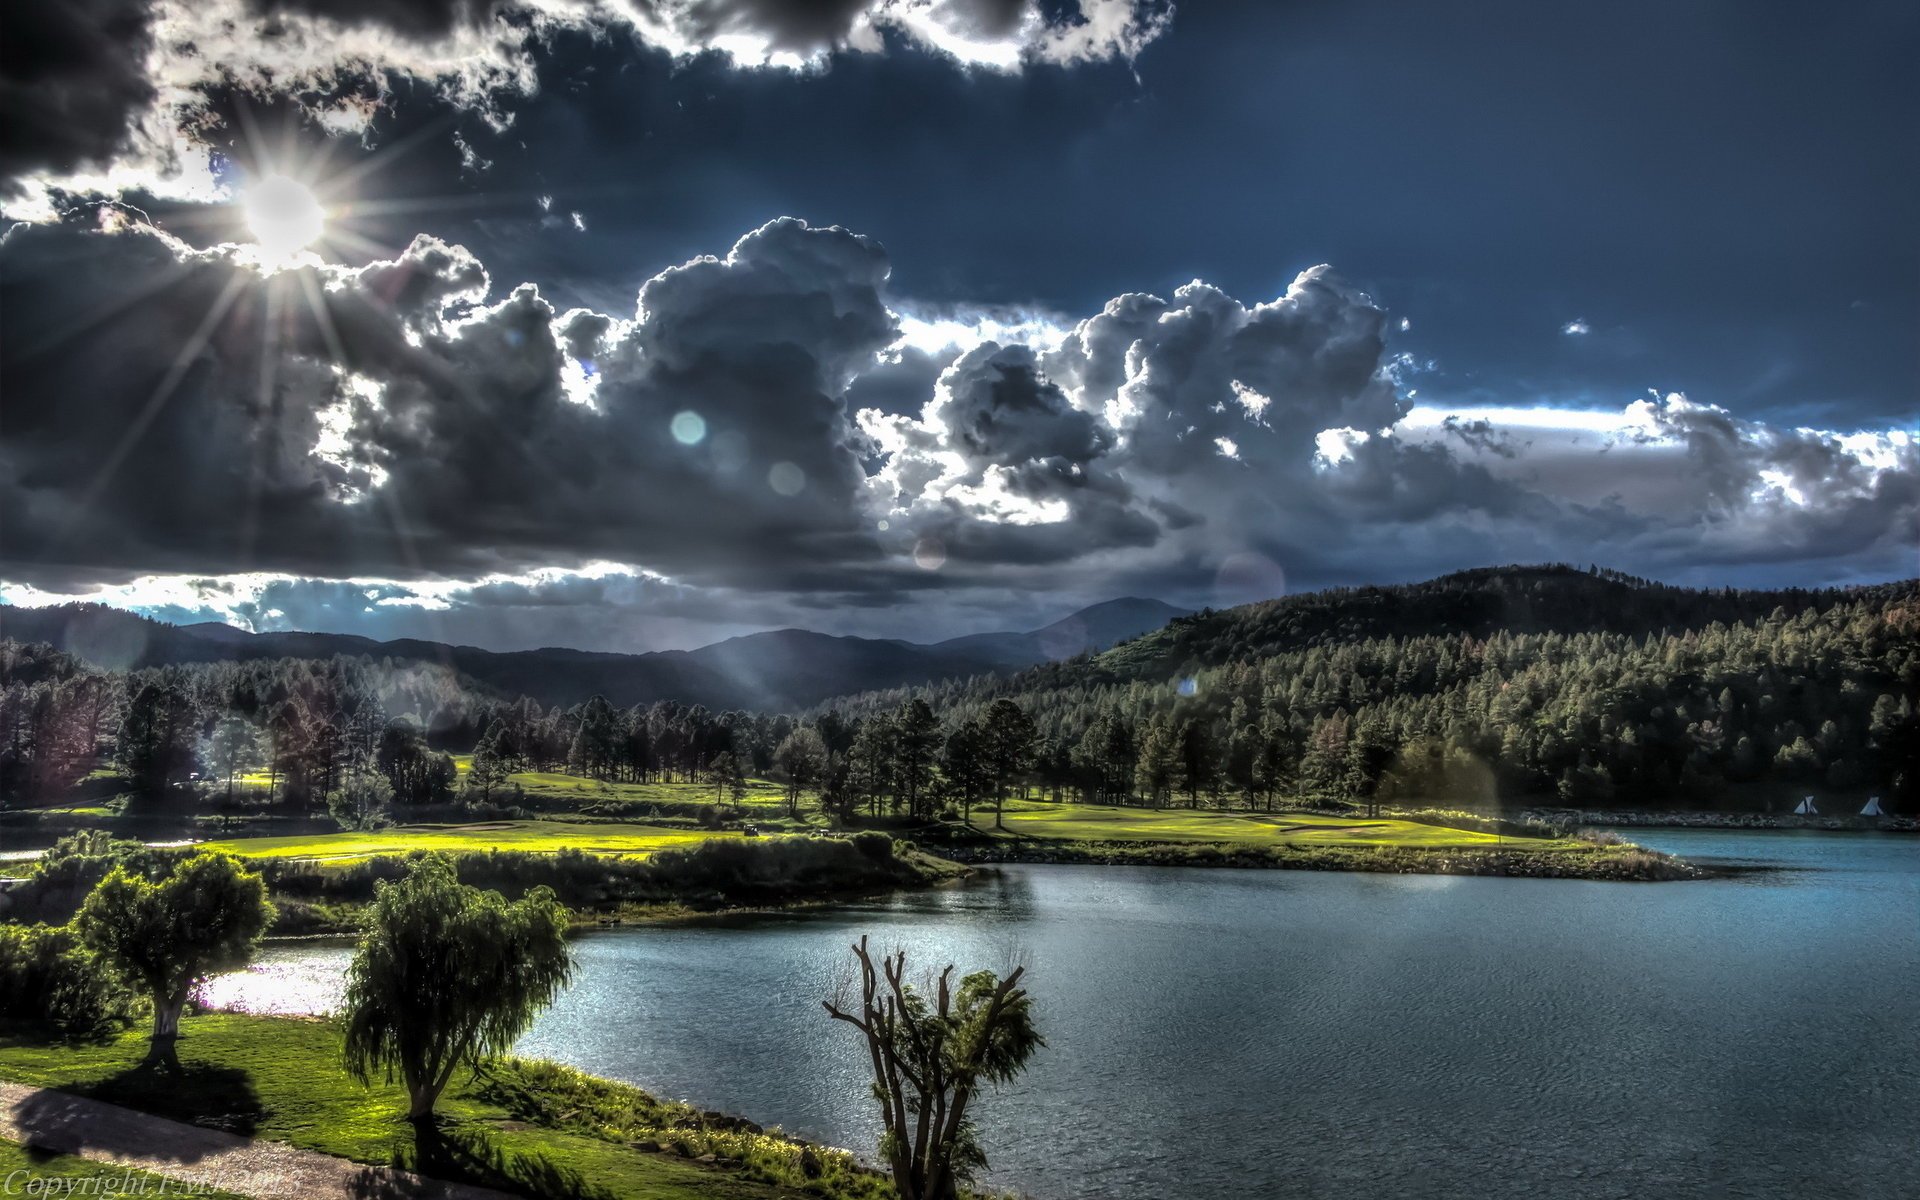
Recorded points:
(284, 216)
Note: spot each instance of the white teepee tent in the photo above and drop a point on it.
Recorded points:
(1806, 809)
(1873, 808)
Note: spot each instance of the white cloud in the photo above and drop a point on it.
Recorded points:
(134, 108)
(448, 447)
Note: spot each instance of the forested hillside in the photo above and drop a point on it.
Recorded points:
(1490, 686)
(1589, 687)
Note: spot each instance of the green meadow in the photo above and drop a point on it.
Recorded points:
(533, 837)
(1103, 823)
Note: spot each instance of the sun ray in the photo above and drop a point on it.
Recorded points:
(137, 428)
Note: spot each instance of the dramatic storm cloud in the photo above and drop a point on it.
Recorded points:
(521, 350)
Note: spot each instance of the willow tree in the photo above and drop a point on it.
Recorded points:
(448, 976)
(930, 1057)
(204, 916)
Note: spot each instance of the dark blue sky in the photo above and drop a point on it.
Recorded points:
(1725, 193)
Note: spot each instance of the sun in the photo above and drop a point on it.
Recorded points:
(283, 215)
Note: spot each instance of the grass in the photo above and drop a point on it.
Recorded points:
(30, 1171)
(764, 801)
(534, 837)
(1102, 823)
(536, 1129)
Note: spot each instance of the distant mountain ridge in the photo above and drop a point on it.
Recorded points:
(1476, 603)
(780, 669)
(1472, 605)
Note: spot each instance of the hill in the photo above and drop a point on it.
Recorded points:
(1590, 687)
(781, 669)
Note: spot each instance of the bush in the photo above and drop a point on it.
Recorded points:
(874, 844)
(48, 975)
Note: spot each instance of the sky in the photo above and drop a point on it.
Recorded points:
(637, 324)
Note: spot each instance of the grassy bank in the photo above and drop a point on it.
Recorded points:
(1100, 834)
(1113, 823)
(1617, 863)
(533, 1128)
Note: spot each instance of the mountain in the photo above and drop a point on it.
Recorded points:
(1502, 686)
(1478, 603)
(1472, 605)
(1090, 629)
(782, 669)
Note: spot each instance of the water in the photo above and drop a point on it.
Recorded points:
(1229, 1034)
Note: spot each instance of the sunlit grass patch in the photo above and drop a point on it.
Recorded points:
(579, 790)
(534, 837)
(1093, 823)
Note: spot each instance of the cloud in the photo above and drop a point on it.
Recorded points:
(72, 84)
(115, 97)
(390, 420)
(1576, 327)
(760, 438)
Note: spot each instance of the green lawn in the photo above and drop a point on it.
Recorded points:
(48, 1174)
(280, 1078)
(763, 798)
(1103, 823)
(536, 837)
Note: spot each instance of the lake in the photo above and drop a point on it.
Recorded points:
(1229, 1034)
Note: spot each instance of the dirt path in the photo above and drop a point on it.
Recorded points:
(53, 1120)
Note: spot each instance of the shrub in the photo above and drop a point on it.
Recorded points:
(47, 974)
(874, 844)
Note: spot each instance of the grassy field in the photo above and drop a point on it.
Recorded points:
(535, 837)
(553, 789)
(1101, 823)
(281, 1079)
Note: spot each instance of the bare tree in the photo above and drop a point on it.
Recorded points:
(929, 1060)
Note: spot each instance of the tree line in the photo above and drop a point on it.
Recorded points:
(1819, 697)
(1243, 707)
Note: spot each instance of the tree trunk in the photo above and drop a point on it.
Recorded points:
(421, 1097)
(161, 1049)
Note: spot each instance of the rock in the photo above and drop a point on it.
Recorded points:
(810, 1164)
(708, 1158)
(647, 1147)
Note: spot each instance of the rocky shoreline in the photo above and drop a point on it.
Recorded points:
(1565, 817)
(1622, 864)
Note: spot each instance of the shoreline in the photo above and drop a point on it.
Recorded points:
(1605, 864)
(1702, 819)
(550, 1126)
